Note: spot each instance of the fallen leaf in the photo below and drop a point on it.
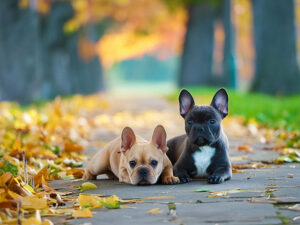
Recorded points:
(245, 148)
(33, 202)
(233, 191)
(236, 171)
(287, 159)
(112, 202)
(253, 165)
(77, 173)
(154, 211)
(294, 208)
(5, 178)
(202, 190)
(87, 186)
(82, 213)
(31, 221)
(72, 147)
(47, 222)
(89, 201)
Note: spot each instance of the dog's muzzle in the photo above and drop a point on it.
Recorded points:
(143, 174)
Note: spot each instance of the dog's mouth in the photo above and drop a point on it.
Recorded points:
(201, 141)
(143, 182)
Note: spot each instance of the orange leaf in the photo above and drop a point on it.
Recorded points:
(77, 173)
(71, 147)
(5, 178)
(10, 204)
(245, 148)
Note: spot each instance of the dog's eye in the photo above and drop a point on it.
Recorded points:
(153, 163)
(212, 121)
(132, 163)
(189, 122)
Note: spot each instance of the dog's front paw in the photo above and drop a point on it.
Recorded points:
(213, 179)
(185, 179)
(88, 176)
(170, 180)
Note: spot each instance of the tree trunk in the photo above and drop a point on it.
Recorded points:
(229, 75)
(19, 53)
(197, 58)
(276, 68)
(38, 60)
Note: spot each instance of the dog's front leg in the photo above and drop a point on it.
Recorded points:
(220, 175)
(168, 177)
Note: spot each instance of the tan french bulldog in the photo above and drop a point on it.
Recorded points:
(134, 160)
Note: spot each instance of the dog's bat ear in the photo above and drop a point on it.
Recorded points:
(128, 139)
(220, 102)
(186, 102)
(159, 138)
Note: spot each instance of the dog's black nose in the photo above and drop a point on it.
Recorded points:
(143, 172)
(200, 128)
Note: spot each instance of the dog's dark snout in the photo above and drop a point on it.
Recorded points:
(200, 128)
(143, 172)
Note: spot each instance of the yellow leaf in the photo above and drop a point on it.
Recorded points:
(87, 185)
(233, 191)
(112, 202)
(29, 188)
(91, 201)
(31, 221)
(154, 211)
(82, 213)
(47, 222)
(14, 195)
(32, 202)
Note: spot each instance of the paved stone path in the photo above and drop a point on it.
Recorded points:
(143, 114)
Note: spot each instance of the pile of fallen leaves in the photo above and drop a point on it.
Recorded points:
(42, 144)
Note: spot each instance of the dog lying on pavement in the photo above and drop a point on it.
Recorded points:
(134, 160)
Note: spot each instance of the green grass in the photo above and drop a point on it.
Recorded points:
(275, 112)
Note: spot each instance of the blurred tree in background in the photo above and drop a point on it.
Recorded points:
(38, 60)
(276, 66)
(197, 59)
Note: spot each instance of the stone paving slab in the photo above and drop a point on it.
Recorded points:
(231, 209)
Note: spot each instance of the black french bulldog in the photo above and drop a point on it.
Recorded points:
(203, 150)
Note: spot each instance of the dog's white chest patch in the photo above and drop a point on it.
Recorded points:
(202, 159)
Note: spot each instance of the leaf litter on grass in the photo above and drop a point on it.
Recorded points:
(42, 144)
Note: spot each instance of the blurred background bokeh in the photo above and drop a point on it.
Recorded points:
(65, 47)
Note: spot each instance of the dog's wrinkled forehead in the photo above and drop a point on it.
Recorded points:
(203, 113)
(142, 152)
